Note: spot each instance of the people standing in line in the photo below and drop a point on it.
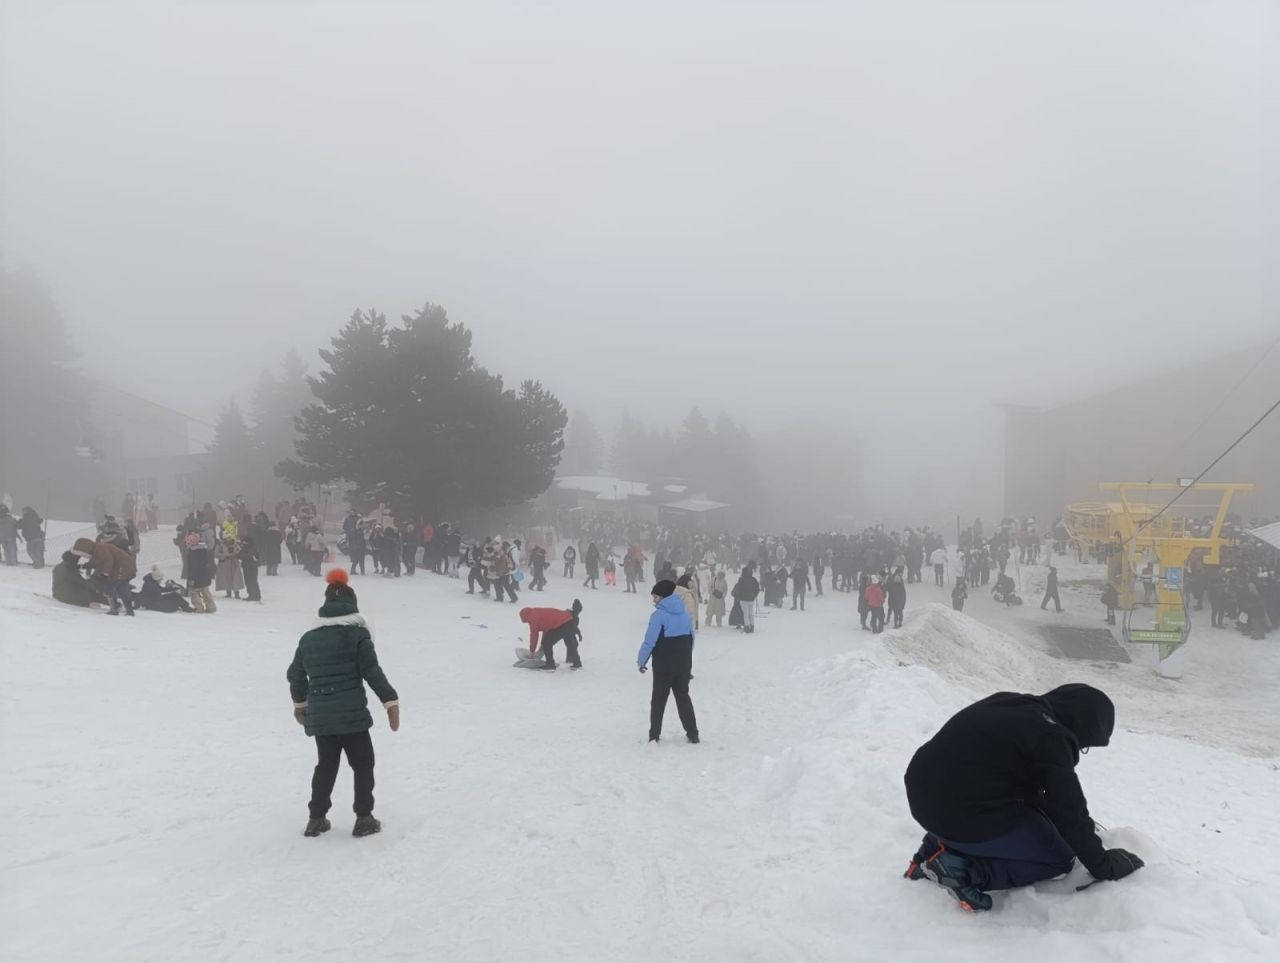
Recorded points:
(1051, 591)
(570, 558)
(875, 597)
(715, 600)
(896, 595)
(959, 594)
(31, 529)
(331, 666)
(668, 641)
(745, 593)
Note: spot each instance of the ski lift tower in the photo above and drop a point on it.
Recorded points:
(1147, 533)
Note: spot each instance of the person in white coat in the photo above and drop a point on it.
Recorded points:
(938, 559)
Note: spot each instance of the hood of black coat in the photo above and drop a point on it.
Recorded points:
(1086, 711)
(338, 607)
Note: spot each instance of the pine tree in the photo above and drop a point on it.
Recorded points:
(234, 466)
(583, 447)
(407, 418)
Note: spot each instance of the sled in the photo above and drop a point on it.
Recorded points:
(526, 661)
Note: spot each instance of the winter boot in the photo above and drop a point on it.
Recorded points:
(953, 872)
(317, 826)
(692, 737)
(366, 826)
(929, 847)
(653, 738)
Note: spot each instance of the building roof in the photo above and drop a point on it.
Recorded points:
(1268, 533)
(605, 487)
(697, 505)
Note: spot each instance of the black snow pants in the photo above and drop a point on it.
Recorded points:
(1033, 850)
(672, 669)
(1052, 595)
(253, 591)
(568, 634)
(359, 749)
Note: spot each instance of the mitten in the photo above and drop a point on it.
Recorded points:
(300, 712)
(393, 715)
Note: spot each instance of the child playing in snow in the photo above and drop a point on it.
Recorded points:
(326, 679)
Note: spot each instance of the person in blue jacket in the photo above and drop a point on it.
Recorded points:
(669, 642)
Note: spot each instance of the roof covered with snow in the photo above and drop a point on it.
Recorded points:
(1268, 533)
(606, 488)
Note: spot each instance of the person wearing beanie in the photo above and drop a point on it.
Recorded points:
(554, 625)
(669, 642)
(200, 574)
(997, 793)
(330, 668)
(69, 586)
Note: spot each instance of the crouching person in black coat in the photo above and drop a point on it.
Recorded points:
(327, 678)
(997, 792)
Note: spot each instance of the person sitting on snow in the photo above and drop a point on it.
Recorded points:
(70, 587)
(554, 625)
(997, 793)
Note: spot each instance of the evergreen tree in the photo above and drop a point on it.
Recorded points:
(277, 402)
(407, 417)
(52, 451)
(583, 447)
(233, 467)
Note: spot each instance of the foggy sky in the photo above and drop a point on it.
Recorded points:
(872, 215)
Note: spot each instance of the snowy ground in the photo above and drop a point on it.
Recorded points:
(156, 789)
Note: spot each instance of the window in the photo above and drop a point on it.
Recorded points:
(185, 482)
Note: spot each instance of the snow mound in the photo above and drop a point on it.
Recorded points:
(966, 651)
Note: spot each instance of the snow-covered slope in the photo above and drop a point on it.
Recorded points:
(156, 787)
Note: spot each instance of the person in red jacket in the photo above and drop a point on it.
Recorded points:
(554, 625)
(875, 604)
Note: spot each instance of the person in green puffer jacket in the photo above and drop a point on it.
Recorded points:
(326, 679)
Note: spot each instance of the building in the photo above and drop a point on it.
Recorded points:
(1159, 428)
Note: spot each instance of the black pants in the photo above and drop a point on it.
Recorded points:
(671, 672)
(254, 593)
(1031, 851)
(937, 574)
(1217, 616)
(473, 580)
(797, 597)
(119, 592)
(877, 618)
(569, 636)
(568, 569)
(357, 562)
(359, 749)
(896, 612)
(1052, 595)
(410, 556)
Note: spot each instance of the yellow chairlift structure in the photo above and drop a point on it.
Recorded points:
(1142, 533)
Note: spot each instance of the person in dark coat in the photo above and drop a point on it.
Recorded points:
(959, 594)
(538, 566)
(115, 566)
(69, 586)
(271, 540)
(897, 597)
(249, 562)
(1051, 590)
(997, 793)
(745, 592)
(330, 668)
(799, 584)
(592, 560)
(570, 559)
(200, 574)
(156, 595)
(1110, 599)
(410, 542)
(31, 528)
(668, 640)
(8, 536)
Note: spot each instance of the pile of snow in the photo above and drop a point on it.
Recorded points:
(962, 649)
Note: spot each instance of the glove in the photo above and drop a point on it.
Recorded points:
(644, 669)
(300, 713)
(1120, 863)
(393, 715)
